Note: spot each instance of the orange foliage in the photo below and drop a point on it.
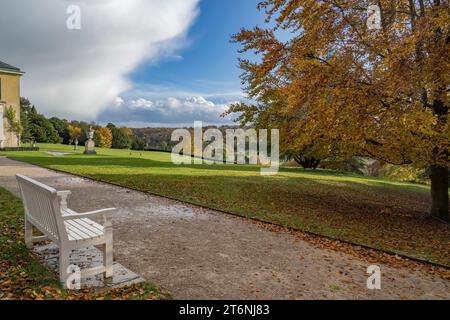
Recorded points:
(334, 86)
(105, 137)
(380, 93)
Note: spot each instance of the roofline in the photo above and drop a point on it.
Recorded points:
(9, 71)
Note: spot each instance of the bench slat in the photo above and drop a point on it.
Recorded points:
(38, 203)
(79, 225)
(82, 230)
(88, 223)
(74, 230)
(93, 226)
(73, 235)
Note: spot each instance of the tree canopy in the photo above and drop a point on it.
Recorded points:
(333, 85)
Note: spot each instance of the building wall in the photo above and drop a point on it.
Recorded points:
(10, 97)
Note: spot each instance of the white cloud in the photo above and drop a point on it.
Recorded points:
(118, 102)
(209, 90)
(77, 74)
(170, 111)
(181, 107)
(141, 103)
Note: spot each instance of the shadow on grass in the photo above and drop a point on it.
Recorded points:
(365, 214)
(109, 161)
(354, 208)
(374, 212)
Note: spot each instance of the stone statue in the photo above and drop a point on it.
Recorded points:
(90, 144)
(91, 133)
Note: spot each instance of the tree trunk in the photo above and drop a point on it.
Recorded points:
(439, 192)
(307, 162)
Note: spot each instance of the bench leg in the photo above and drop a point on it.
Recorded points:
(108, 251)
(63, 265)
(28, 234)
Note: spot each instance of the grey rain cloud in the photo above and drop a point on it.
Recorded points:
(80, 74)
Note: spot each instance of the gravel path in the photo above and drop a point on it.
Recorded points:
(194, 253)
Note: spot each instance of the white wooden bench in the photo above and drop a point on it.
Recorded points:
(46, 209)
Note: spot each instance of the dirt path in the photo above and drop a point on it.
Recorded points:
(194, 253)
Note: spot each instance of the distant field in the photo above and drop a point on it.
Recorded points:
(378, 213)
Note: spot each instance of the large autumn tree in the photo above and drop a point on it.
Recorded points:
(332, 85)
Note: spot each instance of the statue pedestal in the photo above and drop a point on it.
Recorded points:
(89, 147)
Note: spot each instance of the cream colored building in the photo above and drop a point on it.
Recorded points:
(9, 97)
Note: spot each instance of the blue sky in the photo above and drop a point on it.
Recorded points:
(137, 62)
(209, 63)
(206, 67)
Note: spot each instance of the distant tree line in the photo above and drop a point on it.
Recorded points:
(35, 127)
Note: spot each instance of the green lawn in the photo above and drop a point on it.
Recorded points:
(378, 213)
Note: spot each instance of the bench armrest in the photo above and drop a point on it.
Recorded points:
(63, 195)
(90, 214)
